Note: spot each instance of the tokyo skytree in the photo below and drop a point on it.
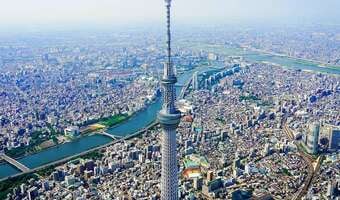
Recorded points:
(169, 118)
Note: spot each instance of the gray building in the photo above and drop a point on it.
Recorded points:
(313, 138)
(334, 138)
(195, 83)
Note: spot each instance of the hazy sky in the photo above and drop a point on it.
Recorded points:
(34, 12)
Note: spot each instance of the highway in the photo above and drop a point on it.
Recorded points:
(15, 163)
(64, 160)
(115, 140)
(184, 89)
(107, 135)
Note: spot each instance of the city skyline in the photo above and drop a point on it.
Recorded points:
(39, 13)
(123, 99)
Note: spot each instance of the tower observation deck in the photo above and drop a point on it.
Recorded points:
(169, 118)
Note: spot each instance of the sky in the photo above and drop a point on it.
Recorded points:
(92, 12)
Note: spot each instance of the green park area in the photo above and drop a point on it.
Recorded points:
(286, 172)
(7, 185)
(39, 138)
(113, 120)
(107, 121)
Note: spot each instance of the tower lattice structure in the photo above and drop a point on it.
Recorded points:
(169, 118)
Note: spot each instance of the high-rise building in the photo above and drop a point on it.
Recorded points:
(198, 183)
(195, 83)
(45, 185)
(212, 56)
(266, 150)
(247, 168)
(70, 180)
(313, 138)
(32, 193)
(169, 118)
(210, 176)
(23, 188)
(334, 138)
(330, 189)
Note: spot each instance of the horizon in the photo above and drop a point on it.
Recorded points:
(45, 15)
(138, 99)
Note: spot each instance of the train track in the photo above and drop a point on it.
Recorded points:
(308, 160)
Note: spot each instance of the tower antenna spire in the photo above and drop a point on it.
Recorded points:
(168, 17)
(169, 118)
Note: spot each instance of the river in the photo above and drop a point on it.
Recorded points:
(146, 116)
(135, 123)
(255, 56)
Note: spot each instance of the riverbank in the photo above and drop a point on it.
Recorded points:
(35, 146)
(41, 145)
(15, 180)
(104, 123)
(259, 56)
(6, 184)
(302, 60)
(135, 124)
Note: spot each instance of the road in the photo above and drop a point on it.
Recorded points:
(58, 162)
(15, 163)
(107, 135)
(310, 164)
(116, 140)
(184, 89)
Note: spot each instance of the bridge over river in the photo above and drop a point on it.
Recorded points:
(108, 135)
(15, 163)
(136, 125)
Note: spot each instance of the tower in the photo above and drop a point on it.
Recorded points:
(169, 118)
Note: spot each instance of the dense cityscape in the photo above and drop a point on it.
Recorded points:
(91, 115)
